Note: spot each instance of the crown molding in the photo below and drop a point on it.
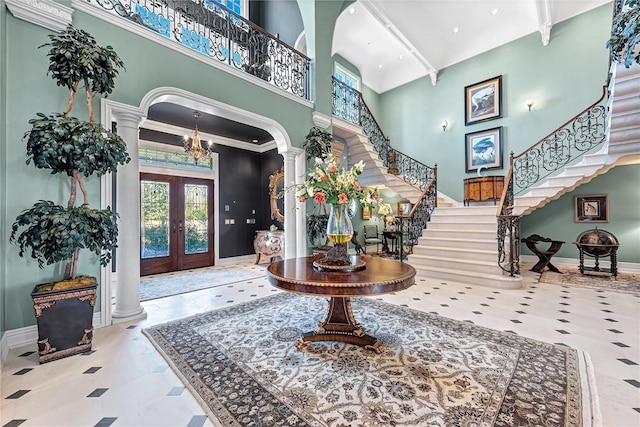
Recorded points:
(46, 13)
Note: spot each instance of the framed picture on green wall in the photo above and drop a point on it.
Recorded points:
(591, 208)
(483, 149)
(483, 101)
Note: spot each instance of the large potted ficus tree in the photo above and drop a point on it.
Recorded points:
(625, 34)
(52, 233)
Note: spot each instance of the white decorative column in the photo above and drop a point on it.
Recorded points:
(301, 208)
(128, 305)
(290, 234)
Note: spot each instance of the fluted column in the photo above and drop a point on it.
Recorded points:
(289, 205)
(128, 207)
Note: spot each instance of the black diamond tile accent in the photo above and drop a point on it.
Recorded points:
(607, 311)
(563, 320)
(253, 295)
(602, 296)
(531, 292)
(604, 303)
(564, 303)
(18, 394)
(512, 332)
(620, 344)
(427, 293)
(230, 301)
(490, 298)
(197, 421)
(527, 297)
(436, 288)
(627, 362)
(159, 369)
(27, 353)
(444, 283)
(562, 331)
(90, 352)
(468, 287)
(218, 296)
(23, 371)
(454, 298)
(261, 286)
(461, 293)
(636, 409)
(634, 383)
(615, 331)
(564, 311)
(416, 299)
(485, 305)
(433, 312)
(92, 370)
(496, 292)
(566, 292)
(132, 327)
(611, 320)
(444, 305)
(469, 321)
(106, 422)
(14, 423)
(97, 392)
(175, 391)
(516, 321)
(240, 290)
(476, 312)
(404, 305)
(559, 343)
(563, 297)
(525, 304)
(521, 312)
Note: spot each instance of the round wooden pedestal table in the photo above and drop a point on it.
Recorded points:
(379, 277)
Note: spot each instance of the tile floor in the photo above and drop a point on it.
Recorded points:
(125, 382)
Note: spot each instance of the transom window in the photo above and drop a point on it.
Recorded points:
(342, 75)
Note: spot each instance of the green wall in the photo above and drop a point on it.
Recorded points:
(556, 220)
(29, 90)
(3, 166)
(563, 77)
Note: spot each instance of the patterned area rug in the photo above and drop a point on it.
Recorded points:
(243, 366)
(165, 285)
(626, 282)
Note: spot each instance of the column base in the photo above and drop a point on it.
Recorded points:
(128, 317)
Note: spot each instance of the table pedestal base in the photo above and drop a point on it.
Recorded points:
(340, 325)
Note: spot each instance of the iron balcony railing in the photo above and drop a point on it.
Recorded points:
(349, 105)
(210, 28)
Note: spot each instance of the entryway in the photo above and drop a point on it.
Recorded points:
(176, 223)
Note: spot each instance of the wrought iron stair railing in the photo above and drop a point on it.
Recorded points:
(212, 29)
(562, 147)
(349, 105)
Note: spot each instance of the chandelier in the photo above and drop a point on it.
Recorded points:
(193, 145)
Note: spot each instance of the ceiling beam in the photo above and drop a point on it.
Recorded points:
(393, 30)
(544, 20)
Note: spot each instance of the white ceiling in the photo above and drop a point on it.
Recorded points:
(410, 39)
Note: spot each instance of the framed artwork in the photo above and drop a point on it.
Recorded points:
(591, 208)
(366, 212)
(483, 149)
(404, 208)
(483, 101)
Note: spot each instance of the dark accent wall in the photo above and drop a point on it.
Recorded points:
(244, 187)
(280, 17)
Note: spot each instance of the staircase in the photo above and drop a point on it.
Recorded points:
(460, 243)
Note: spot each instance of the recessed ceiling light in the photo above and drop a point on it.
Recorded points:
(401, 56)
(456, 29)
(495, 11)
(379, 65)
(352, 10)
(254, 141)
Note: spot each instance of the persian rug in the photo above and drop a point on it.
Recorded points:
(180, 282)
(628, 283)
(241, 363)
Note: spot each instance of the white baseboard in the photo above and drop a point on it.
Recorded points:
(625, 267)
(28, 335)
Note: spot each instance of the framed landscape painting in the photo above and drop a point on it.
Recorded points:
(483, 101)
(483, 149)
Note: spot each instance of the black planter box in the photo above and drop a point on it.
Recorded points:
(65, 321)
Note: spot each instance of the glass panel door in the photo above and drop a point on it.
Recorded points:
(176, 223)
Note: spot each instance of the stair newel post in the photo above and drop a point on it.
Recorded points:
(435, 183)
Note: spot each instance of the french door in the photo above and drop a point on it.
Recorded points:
(176, 223)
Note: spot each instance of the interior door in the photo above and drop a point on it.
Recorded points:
(176, 223)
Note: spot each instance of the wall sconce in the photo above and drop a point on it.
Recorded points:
(444, 125)
(530, 103)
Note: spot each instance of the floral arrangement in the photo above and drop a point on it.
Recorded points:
(328, 183)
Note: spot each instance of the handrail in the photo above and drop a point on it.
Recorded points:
(214, 30)
(420, 213)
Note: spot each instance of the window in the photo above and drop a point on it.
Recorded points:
(238, 6)
(346, 77)
(347, 102)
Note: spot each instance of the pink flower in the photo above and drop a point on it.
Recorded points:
(333, 168)
(358, 188)
(302, 198)
(319, 198)
(324, 178)
(342, 198)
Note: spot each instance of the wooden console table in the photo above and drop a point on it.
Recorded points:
(483, 188)
(379, 276)
(269, 244)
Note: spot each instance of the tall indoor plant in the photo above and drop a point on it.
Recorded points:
(625, 34)
(51, 232)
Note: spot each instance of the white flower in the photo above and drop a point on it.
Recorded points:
(359, 167)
